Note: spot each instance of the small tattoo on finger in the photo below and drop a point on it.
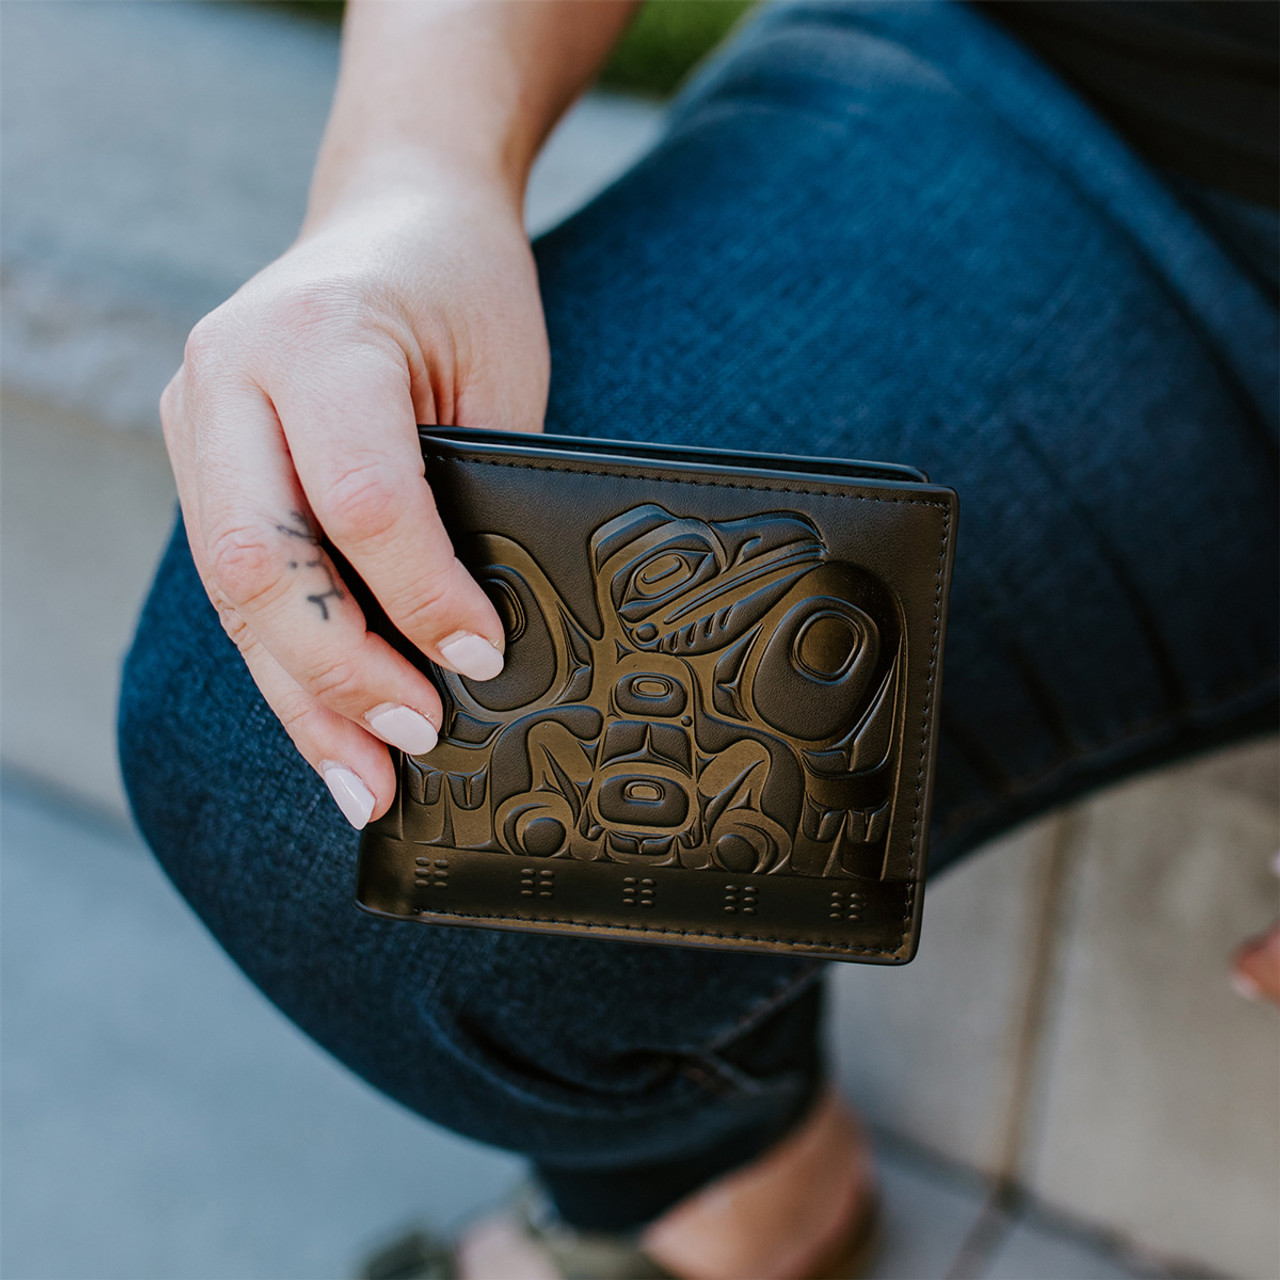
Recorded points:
(334, 592)
(301, 529)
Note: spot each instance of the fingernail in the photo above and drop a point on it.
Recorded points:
(472, 656)
(403, 727)
(351, 795)
(1245, 986)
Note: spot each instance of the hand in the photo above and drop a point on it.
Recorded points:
(294, 414)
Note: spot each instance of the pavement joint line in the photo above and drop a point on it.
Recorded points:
(1049, 928)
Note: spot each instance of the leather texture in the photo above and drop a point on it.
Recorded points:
(716, 721)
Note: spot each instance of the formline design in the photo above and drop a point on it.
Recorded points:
(735, 706)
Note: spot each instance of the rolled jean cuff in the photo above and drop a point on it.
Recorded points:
(771, 1077)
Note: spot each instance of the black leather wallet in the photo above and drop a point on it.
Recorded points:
(716, 721)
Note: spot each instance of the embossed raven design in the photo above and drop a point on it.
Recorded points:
(734, 705)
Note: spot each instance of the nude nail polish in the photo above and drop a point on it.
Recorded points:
(403, 727)
(471, 656)
(349, 793)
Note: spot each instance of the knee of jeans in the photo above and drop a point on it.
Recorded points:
(828, 62)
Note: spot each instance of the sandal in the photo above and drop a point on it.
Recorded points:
(589, 1255)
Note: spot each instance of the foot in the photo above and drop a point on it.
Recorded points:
(785, 1216)
(495, 1248)
(1255, 972)
(780, 1217)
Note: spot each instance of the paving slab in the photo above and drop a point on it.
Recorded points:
(1159, 1109)
(929, 1209)
(928, 1051)
(1034, 1247)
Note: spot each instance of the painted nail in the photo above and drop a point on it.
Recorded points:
(471, 656)
(349, 793)
(403, 727)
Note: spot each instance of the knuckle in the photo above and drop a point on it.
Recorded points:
(236, 627)
(296, 713)
(242, 563)
(423, 615)
(340, 683)
(204, 349)
(362, 502)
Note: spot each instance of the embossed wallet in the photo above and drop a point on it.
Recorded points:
(716, 722)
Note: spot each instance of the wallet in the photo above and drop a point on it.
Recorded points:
(715, 724)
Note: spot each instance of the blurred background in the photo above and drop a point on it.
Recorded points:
(1063, 1085)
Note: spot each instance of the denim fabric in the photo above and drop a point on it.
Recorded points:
(872, 230)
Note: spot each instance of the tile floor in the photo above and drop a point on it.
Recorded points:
(163, 1122)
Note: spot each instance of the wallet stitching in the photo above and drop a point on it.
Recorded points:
(909, 906)
(653, 928)
(924, 723)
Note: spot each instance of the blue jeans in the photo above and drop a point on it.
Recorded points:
(878, 231)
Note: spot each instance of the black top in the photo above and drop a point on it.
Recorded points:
(1191, 84)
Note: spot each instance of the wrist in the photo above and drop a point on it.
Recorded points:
(429, 97)
(454, 92)
(407, 178)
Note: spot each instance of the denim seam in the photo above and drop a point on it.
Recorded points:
(913, 855)
(730, 1084)
(557, 1098)
(764, 1008)
(705, 1064)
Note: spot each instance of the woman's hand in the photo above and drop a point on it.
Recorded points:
(294, 414)
(409, 297)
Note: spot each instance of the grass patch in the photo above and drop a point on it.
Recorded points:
(666, 40)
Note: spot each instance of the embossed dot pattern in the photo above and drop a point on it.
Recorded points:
(846, 904)
(741, 898)
(431, 873)
(638, 891)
